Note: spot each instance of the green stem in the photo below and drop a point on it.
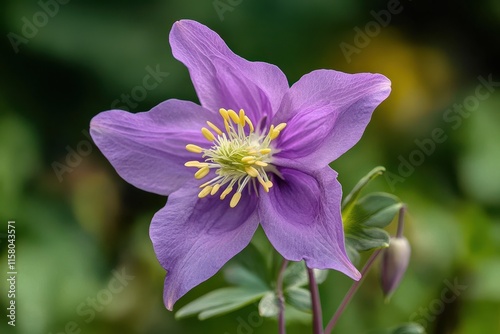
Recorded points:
(401, 222)
(316, 303)
(352, 291)
(281, 298)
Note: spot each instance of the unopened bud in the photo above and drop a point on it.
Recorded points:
(395, 259)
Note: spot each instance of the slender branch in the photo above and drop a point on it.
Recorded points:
(401, 221)
(316, 303)
(351, 292)
(281, 298)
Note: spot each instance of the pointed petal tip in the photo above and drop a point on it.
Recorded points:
(184, 23)
(102, 119)
(356, 275)
(94, 122)
(169, 305)
(350, 270)
(168, 297)
(385, 81)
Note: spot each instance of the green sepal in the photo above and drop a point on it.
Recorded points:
(363, 225)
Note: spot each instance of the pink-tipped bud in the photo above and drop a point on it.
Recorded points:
(395, 259)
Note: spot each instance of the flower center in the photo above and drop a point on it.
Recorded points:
(239, 156)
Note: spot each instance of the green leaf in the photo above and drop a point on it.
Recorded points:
(299, 298)
(351, 198)
(379, 209)
(373, 210)
(367, 239)
(220, 301)
(251, 259)
(364, 222)
(320, 275)
(269, 305)
(242, 276)
(224, 309)
(296, 275)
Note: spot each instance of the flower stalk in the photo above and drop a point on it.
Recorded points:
(351, 292)
(316, 303)
(281, 298)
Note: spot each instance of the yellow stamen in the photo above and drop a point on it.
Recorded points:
(224, 114)
(207, 134)
(263, 183)
(247, 159)
(242, 117)
(250, 124)
(215, 128)
(215, 189)
(194, 148)
(226, 192)
(204, 192)
(265, 151)
(201, 173)
(238, 156)
(226, 125)
(251, 171)
(274, 134)
(280, 126)
(234, 116)
(234, 201)
(195, 164)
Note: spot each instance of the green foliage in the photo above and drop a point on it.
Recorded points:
(255, 281)
(299, 298)
(364, 218)
(220, 302)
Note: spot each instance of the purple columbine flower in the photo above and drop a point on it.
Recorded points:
(259, 151)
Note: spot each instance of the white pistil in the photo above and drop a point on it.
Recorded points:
(239, 156)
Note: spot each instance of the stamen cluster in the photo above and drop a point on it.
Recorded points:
(240, 155)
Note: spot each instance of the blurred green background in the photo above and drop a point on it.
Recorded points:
(78, 222)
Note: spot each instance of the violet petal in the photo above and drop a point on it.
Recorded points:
(198, 47)
(327, 112)
(301, 217)
(193, 238)
(147, 149)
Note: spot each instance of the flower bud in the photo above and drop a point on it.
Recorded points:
(395, 259)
